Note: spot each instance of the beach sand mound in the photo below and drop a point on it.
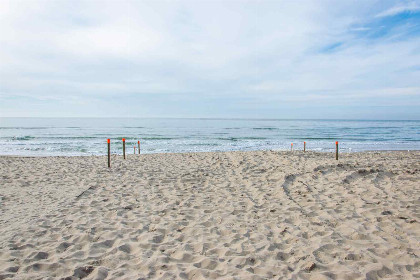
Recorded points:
(236, 215)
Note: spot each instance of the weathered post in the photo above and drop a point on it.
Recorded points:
(336, 150)
(109, 152)
(134, 149)
(291, 147)
(138, 142)
(304, 146)
(123, 147)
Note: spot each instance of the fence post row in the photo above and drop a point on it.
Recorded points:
(123, 140)
(138, 143)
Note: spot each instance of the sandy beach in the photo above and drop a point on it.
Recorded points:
(234, 215)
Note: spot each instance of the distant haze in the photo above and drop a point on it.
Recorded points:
(212, 59)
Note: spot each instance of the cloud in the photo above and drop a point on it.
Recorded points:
(148, 52)
(411, 7)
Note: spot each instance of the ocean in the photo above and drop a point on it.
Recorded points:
(88, 136)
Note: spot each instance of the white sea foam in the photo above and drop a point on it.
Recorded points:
(19, 136)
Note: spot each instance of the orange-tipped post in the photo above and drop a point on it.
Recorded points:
(304, 146)
(336, 150)
(138, 143)
(123, 147)
(109, 152)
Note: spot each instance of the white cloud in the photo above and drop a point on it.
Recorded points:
(207, 49)
(402, 8)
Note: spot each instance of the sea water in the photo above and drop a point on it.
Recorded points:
(88, 136)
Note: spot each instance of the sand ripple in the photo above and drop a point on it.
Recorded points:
(237, 215)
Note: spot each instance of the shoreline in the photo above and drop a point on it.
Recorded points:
(236, 151)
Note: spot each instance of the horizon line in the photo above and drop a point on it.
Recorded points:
(214, 118)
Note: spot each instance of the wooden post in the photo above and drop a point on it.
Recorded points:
(336, 150)
(138, 142)
(109, 152)
(123, 147)
(134, 149)
(291, 147)
(304, 146)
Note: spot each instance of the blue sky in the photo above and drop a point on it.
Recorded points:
(252, 59)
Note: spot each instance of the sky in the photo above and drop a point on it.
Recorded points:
(210, 59)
